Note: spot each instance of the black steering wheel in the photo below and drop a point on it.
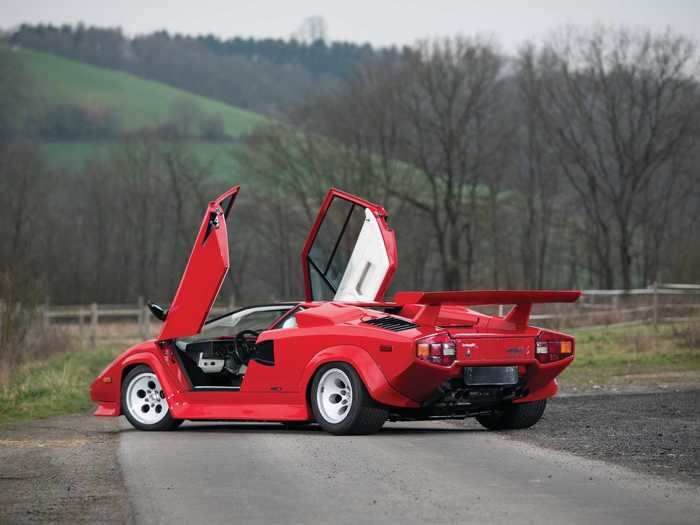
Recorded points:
(246, 335)
(245, 344)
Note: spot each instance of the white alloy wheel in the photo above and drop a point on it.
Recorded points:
(334, 395)
(145, 399)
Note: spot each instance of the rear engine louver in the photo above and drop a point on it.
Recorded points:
(391, 323)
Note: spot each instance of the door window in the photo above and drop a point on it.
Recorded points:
(333, 246)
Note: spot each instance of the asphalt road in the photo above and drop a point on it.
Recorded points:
(408, 473)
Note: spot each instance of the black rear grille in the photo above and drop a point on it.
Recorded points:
(391, 323)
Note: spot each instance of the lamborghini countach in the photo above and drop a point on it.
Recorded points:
(344, 357)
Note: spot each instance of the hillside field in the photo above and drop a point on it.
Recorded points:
(137, 102)
(72, 155)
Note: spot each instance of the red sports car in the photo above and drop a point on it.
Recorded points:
(344, 357)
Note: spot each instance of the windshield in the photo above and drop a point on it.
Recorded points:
(254, 318)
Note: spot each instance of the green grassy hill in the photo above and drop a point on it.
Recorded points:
(138, 102)
(72, 155)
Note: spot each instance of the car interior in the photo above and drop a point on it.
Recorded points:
(217, 358)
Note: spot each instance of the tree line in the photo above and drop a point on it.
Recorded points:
(265, 75)
(571, 164)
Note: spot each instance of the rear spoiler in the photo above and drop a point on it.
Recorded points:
(519, 315)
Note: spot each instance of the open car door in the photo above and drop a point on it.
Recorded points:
(350, 253)
(204, 273)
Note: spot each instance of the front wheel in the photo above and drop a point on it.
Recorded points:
(341, 404)
(144, 403)
(514, 416)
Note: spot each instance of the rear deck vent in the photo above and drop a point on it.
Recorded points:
(391, 323)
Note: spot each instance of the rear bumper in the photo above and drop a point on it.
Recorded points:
(423, 381)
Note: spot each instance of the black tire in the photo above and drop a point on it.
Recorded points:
(166, 423)
(364, 415)
(514, 416)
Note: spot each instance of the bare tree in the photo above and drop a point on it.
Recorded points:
(24, 184)
(452, 91)
(536, 175)
(620, 107)
(185, 116)
(312, 29)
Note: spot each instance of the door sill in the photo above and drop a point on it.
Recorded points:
(226, 388)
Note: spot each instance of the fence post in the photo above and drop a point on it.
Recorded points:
(45, 319)
(147, 321)
(142, 319)
(93, 323)
(81, 324)
(655, 305)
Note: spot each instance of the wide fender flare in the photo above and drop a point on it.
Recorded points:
(155, 362)
(366, 367)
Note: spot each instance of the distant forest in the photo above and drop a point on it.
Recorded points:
(572, 163)
(264, 75)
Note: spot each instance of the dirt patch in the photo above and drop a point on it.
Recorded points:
(656, 433)
(62, 470)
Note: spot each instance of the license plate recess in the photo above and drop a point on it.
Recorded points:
(490, 375)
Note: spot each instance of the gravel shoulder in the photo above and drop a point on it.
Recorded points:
(656, 433)
(62, 470)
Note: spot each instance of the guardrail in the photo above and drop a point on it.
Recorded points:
(655, 304)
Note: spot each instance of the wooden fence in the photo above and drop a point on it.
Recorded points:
(655, 304)
(109, 321)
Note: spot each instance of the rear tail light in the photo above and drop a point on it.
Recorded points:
(550, 351)
(439, 349)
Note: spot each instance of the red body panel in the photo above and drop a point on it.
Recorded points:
(393, 377)
(203, 275)
(327, 332)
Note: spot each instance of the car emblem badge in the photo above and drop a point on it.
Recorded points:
(469, 347)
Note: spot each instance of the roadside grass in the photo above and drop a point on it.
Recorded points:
(607, 355)
(635, 354)
(58, 385)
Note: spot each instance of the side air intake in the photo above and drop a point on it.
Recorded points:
(391, 323)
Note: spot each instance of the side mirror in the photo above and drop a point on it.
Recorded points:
(158, 311)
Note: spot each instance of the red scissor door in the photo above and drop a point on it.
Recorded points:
(204, 273)
(350, 253)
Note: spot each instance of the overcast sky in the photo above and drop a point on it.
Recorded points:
(380, 22)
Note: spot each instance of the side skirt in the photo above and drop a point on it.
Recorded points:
(233, 405)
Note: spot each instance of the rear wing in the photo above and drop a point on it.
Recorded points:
(519, 315)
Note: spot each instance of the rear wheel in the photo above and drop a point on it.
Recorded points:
(514, 416)
(341, 404)
(144, 403)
